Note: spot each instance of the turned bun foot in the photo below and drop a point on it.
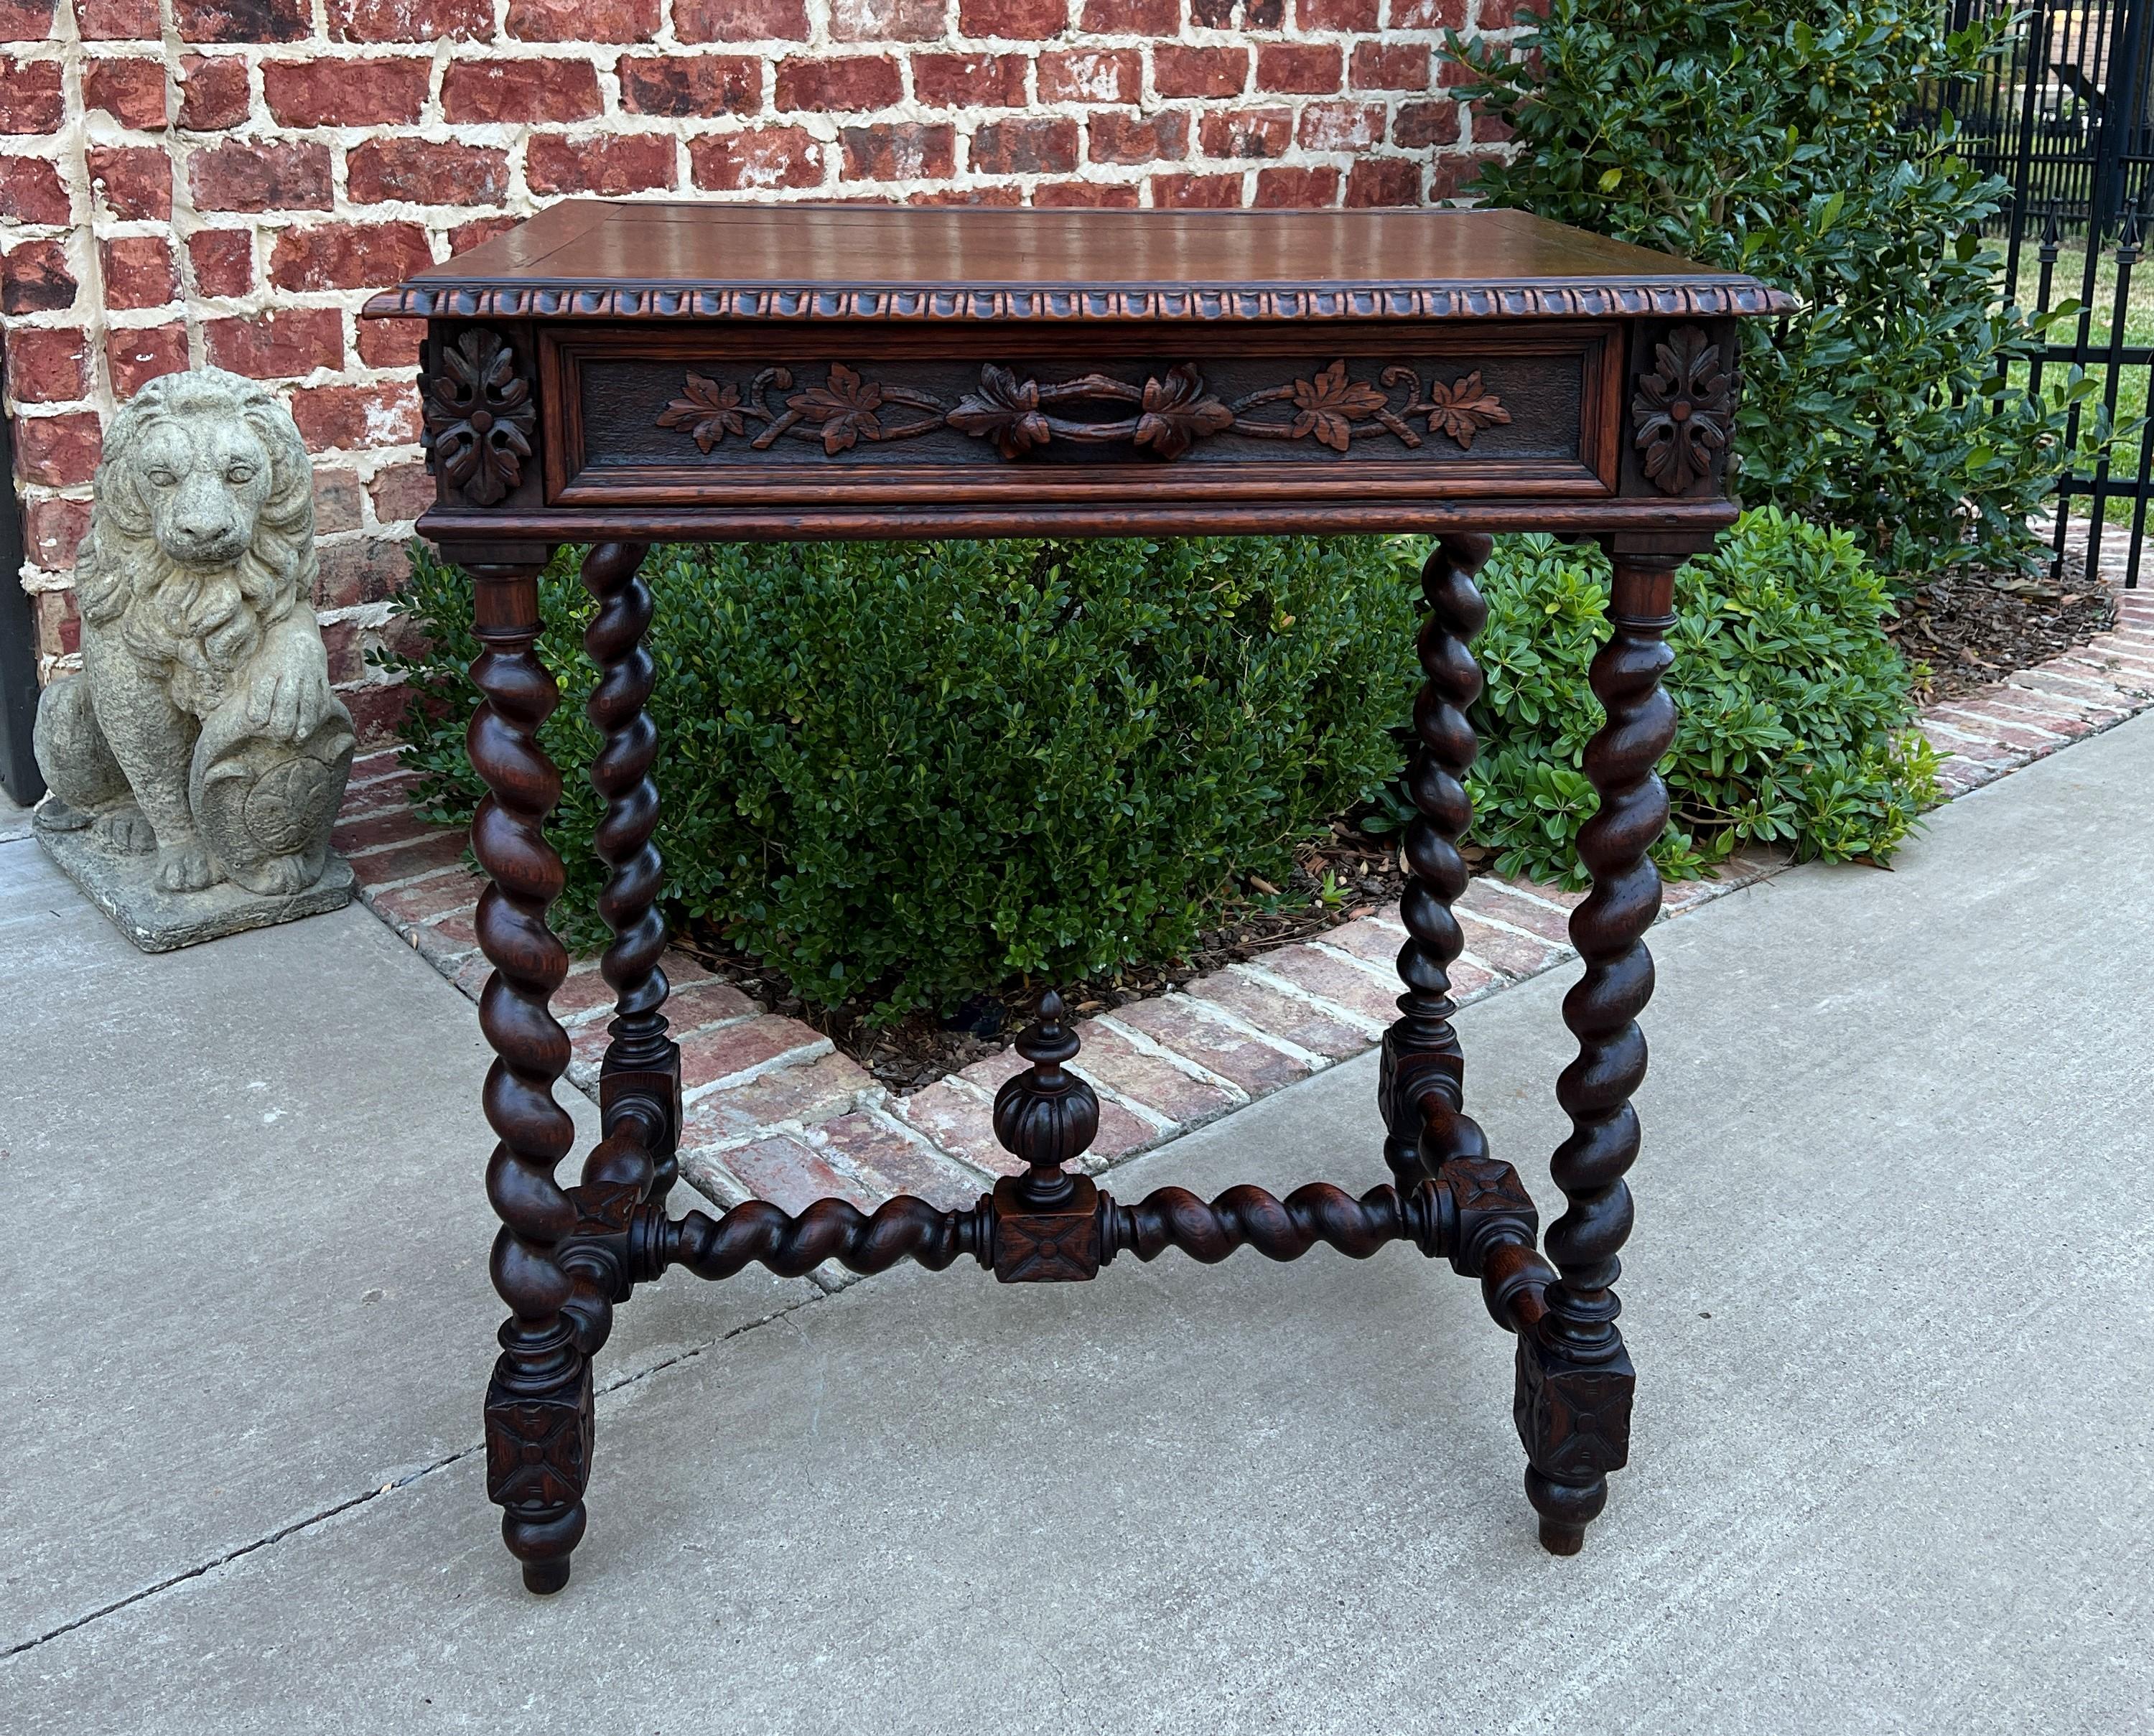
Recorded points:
(545, 1578)
(544, 1546)
(1566, 1509)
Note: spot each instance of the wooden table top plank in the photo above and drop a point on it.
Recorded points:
(587, 258)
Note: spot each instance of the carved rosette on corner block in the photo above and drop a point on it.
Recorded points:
(478, 415)
(1683, 411)
(1164, 414)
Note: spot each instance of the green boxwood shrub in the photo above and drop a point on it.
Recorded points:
(904, 772)
(1795, 709)
(1786, 138)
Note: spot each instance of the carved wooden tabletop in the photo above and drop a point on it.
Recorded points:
(590, 258)
(717, 370)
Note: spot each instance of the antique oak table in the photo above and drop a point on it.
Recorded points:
(622, 373)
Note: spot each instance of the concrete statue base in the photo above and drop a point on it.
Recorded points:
(124, 885)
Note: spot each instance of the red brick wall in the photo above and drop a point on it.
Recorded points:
(188, 181)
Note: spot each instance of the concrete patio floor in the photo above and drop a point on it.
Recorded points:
(1887, 1298)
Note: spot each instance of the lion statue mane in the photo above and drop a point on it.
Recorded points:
(202, 725)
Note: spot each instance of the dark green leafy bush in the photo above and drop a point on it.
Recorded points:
(1782, 137)
(907, 772)
(1795, 707)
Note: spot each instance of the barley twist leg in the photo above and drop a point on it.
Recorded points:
(1420, 1088)
(641, 1062)
(538, 1403)
(1575, 1377)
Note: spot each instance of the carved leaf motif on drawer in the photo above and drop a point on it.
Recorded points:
(1329, 403)
(1463, 409)
(708, 411)
(1164, 414)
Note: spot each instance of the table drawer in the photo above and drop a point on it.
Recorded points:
(739, 414)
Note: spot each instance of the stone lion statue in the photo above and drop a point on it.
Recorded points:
(202, 726)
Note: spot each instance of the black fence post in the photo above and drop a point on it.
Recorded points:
(18, 650)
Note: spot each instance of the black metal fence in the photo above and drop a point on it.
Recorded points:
(18, 662)
(2068, 120)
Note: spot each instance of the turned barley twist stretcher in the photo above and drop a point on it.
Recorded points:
(621, 374)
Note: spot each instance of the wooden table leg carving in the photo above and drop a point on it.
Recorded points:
(642, 1066)
(564, 1258)
(1421, 1086)
(538, 1403)
(1575, 1379)
(1047, 1225)
(620, 373)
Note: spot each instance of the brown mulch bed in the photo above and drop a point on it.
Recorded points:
(1974, 629)
(920, 1049)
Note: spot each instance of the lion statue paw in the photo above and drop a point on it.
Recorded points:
(186, 868)
(125, 831)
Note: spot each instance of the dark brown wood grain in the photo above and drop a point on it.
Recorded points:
(640, 1073)
(478, 413)
(1575, 1377)
(629, 429)
(588, 259)
(1247, 512)
(538, 1405)
(1421, 1055)
(1048, 1227)
(621, 374)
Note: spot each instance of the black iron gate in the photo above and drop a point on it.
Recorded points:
(18, 665)
(2067, 120)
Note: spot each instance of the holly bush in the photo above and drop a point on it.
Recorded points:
(1788, 139)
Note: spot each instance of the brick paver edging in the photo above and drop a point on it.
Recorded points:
(774, 1112)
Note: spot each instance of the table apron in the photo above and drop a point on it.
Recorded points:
(1694, 521)
(731, 417)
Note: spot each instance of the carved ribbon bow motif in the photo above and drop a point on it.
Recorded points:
(1166, 416)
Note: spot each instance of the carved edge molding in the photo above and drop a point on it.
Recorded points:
(1683, 409)
(478, 415)
(1695, 300)
(1164, 416)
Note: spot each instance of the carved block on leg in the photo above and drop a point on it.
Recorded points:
(1046, 1244)
(1406, 1077)
(1490, 1205)
(538, 1465)
(1573, 1419)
